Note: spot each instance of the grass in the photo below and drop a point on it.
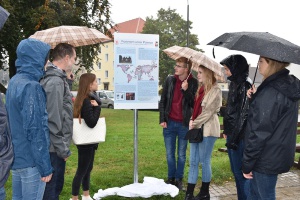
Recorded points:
(113, 165)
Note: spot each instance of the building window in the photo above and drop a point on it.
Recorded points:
(99, 81)
(99, 50)
(99, 65)
(106, 57)
(106, 46)
(106, 74)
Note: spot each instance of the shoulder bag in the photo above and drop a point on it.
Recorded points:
(195, 135)
(82, 134)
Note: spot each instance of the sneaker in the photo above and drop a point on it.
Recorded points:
(87, 197)
(179, 185)
(170, 181)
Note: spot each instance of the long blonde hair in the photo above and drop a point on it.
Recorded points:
(83, 92)
(210, 80)
(274, 66)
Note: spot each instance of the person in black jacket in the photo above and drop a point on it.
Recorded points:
(236, 112)
(175, 109)
(86, 106)
(270, 135)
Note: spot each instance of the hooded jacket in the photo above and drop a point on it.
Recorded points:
(26, 107)
(60, 110)
(6, 149)
(270, 135)
(165, 102)
(237, 107)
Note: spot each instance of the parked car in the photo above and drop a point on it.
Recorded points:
(74, 94)
(107, 98)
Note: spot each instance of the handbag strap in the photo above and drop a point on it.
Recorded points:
(79, 118)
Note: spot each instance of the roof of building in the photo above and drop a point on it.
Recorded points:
(131, 26)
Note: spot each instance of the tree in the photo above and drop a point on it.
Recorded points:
(171, 29)
(28, 16)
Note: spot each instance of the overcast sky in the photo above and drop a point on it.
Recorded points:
(211, 18)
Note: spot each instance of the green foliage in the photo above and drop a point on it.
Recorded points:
(172, 30)
(27, 17)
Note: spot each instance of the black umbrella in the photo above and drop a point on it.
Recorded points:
(260, 43)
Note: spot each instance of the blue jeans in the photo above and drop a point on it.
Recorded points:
(27, 184)
(262, 186)
(235, 158)
(201, 153)
(173, 131)
(2, 193)
(55, 186)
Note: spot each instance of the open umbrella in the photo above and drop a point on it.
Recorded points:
(196, 57)
(3, 16)
(74, 35)
(260, 43)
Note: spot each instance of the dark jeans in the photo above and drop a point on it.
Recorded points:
(55, 186)
(175, 131)
(262, 186)
(235, 158)
(84, 168)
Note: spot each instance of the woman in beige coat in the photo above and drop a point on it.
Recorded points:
(208, 101)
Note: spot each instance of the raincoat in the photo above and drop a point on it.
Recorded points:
(237, 107)
(26, 108)
(60, 110)
(6, 150)
(270, 134)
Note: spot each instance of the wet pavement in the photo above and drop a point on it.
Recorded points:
(287, 188)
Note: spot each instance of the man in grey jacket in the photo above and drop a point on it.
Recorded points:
(60, 112)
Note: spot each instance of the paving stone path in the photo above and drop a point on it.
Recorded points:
(287, 188)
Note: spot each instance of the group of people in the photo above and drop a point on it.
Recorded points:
(259, 125)
(40, 121)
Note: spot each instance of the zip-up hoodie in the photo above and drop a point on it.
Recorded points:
(60, 111)
(26, 108)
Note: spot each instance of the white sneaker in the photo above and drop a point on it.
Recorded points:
(87, 197)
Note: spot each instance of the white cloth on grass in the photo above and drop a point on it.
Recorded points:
(150, 187)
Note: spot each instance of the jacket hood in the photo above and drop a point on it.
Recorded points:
(238, 66)
(32, 56)
(289, 85)
(52, 70)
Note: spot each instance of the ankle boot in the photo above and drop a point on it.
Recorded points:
(179, 185)
(189, 192)
(204, 192)
(170, 181)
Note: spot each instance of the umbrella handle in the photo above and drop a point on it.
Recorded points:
(255, 75)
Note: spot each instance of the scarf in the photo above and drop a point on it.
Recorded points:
(197, 104)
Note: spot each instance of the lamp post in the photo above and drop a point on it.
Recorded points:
(188, 25)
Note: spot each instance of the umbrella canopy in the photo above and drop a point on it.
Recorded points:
(260, 43)
(3, 16)
(196, 57)
(74, 35)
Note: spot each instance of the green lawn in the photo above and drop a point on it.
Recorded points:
(113, 166)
